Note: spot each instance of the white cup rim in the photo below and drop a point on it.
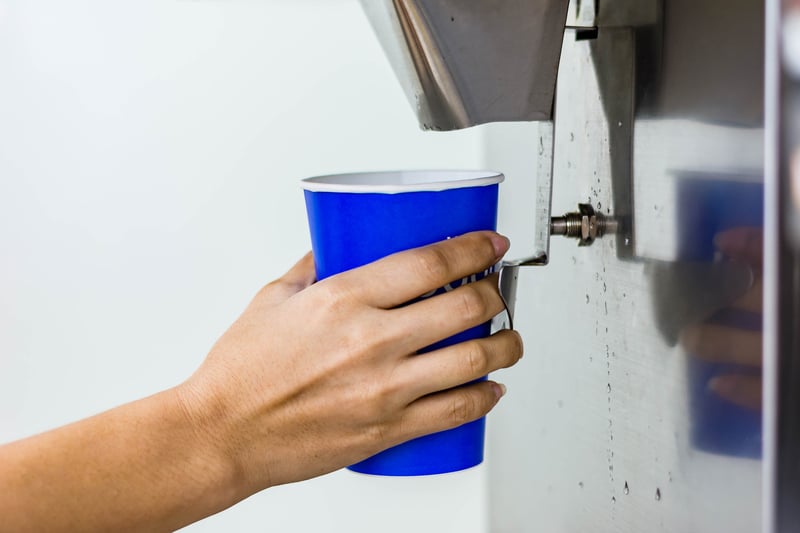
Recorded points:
(398, 181)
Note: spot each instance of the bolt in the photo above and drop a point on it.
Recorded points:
(569, 225)
(585, 225)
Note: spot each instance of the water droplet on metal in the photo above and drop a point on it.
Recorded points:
(658, 495)
(613, 499)
(626, 490)
(609, 387)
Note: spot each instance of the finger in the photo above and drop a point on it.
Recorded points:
(449, 409)
(404, 276)
(430, 320)
(752, 300)
(721, 344)
(745, 244)
(458, 364)
(741, 390)
(299, 277)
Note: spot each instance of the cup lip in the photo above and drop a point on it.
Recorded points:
(400, 181)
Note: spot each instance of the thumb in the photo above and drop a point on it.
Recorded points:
(302, 274)
(299, 277)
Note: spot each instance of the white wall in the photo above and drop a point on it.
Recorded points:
(149, 158)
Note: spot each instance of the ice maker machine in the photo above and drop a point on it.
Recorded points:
(659, 389)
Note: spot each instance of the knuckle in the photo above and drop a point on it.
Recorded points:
(432, 263)
(360, 336)
(269, 287)
(266, 293)
(472, 304)
(333, 297)
(463, 408)
(327, 293)
(365, 339)
(381, 401)
(372, 410)
(477, 359)
(377, 435)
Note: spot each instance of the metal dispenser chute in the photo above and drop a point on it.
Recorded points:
(468, 62)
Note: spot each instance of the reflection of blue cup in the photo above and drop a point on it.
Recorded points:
(358, 218)
(710, 204)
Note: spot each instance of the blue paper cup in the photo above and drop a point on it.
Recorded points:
(356, 219)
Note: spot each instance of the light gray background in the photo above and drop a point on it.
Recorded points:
(149, 158)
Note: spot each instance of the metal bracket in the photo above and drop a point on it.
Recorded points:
(582, 14)
(509, 269)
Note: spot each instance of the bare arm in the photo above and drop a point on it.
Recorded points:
(142, 466)
(311, 378)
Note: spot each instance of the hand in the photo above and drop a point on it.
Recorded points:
(314, 377)
(311, 378)
(726, 344)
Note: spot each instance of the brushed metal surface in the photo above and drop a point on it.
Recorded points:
(782, 268)
(608, 424)
(463, 62)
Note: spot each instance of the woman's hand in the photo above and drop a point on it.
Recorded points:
(311, 378)
(314, 377)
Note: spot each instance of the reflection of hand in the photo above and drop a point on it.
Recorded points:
(727, 344)
(312, 378)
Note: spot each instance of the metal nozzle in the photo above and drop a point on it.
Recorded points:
(585, 225)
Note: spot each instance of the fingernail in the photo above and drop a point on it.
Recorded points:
(499, 390)
(501, 245)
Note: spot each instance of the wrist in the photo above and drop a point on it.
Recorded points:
(216, 460)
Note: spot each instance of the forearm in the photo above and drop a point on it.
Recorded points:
(147, 465)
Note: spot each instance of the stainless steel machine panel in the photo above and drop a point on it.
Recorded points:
(637, 405)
